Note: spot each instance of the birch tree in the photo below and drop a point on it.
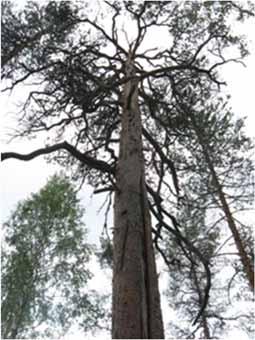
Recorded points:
(45, 256)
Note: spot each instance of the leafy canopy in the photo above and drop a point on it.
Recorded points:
(45, 266)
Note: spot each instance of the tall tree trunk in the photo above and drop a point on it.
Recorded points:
(136, 311)
(245, 260)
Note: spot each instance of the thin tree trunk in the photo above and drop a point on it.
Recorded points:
(205, 326)
(136, 312)
(245, 260)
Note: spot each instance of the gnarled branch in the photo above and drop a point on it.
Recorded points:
(82, 157)
(164, 159)
(181, 239)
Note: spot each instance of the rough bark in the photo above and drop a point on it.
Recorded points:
(136, 300)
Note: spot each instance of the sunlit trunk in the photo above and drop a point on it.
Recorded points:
(136, 312)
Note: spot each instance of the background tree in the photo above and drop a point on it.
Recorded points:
(45, 258)
(92, 85)
(188, 279)
(211, 134)
(217, 152)
(186, 284)
(231, 171)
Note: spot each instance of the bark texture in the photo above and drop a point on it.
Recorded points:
(136, 300)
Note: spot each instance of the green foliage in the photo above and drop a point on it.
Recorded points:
(45, 266)
(35, 33)
(105, 255)
(188, 279)
(79, 59)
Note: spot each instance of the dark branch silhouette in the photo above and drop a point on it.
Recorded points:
(82, 157)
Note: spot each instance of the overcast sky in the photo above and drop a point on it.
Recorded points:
(19, 179)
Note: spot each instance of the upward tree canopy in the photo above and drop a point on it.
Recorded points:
(77, 58)
(89, 67)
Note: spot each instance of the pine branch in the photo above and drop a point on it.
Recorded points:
(181, 239)
(83, 158)
(164, 159)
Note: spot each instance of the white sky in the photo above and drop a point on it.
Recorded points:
(19, 179)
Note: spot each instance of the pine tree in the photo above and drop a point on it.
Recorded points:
(104, 104)
(220, 141)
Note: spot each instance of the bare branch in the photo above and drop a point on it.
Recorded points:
(164, 158)
(182, 239)
(242, 10)
(82, 157)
